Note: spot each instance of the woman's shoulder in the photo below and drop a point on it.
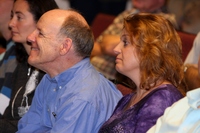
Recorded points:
(124, 100)
(127, 97)
(168, 89)
(165, 94)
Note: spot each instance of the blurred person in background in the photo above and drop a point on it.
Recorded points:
(191, 65)
(63, 4)
(187, 14)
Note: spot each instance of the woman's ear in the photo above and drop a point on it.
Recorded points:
(65, 46)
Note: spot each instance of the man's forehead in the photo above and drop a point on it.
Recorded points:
(47, 25)
(52, 18)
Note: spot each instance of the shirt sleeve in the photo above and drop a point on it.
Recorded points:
(31, 121)
(152, 110)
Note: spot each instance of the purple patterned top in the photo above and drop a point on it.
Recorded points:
(143, 115)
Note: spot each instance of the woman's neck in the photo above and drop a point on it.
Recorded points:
(141, 93)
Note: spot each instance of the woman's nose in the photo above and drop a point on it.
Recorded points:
(117, 49)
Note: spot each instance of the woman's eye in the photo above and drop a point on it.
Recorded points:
(19, 18)
(125, 42)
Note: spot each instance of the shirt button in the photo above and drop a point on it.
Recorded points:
(60, 87)
(54, 89)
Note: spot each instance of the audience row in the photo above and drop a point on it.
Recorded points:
(48, 82)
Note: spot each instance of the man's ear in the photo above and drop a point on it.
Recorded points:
(65, 46)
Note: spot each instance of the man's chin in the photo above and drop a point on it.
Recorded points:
(31, 61)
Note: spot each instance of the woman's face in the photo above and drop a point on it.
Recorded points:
(127, 61)
(147, 5)
(22, 23)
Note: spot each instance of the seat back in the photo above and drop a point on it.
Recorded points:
(187, 42)
(100, 23)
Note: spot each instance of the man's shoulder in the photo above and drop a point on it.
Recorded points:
(99, 88)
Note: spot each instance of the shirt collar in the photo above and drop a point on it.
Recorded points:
(64, 77)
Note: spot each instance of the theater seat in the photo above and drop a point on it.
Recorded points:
(124, 90)
(187, 42)
(100, 23)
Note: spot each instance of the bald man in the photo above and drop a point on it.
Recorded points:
(72, 97)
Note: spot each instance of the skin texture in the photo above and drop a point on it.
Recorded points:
(192, 75)
(127, 61)
(148, 5)
(5, 9)
(50, 51)
(22, 23)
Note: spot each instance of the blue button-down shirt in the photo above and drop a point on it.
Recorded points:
(79, 100)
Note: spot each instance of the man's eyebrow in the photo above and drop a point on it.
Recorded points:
(38, 28)
(18, 12)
